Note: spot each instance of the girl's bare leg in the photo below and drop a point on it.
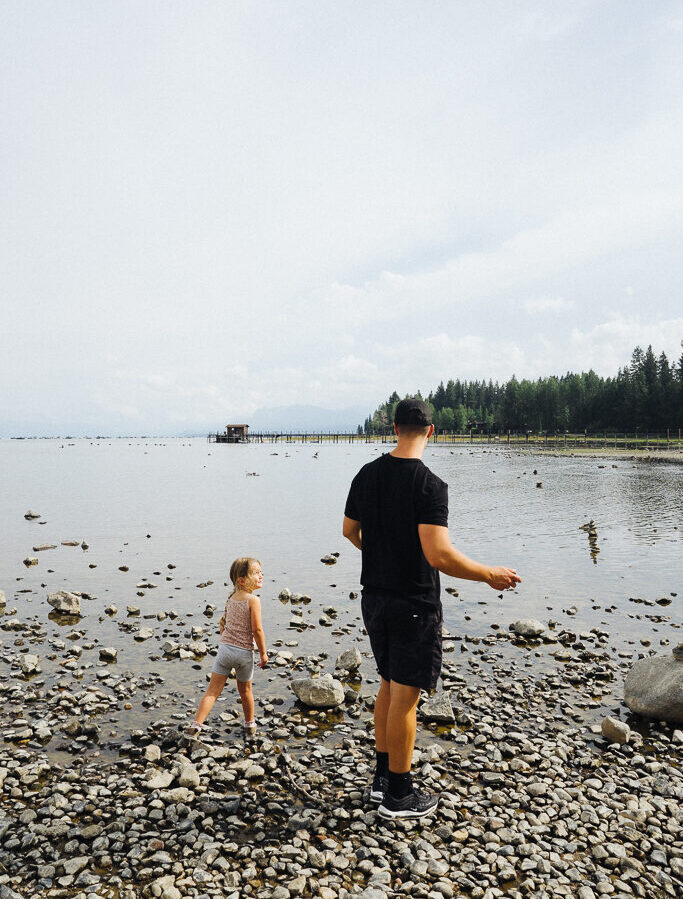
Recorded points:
(213, 691)
(247, 700)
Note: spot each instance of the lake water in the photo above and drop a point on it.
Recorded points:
(148, 504)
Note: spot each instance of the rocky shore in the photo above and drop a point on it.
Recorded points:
(549, 786)
(535, 801)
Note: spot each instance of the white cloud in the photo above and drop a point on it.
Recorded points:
(608, 346)
(569, 240)
(547, 304)
(258, 205)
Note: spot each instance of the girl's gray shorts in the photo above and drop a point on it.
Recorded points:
(229, 657)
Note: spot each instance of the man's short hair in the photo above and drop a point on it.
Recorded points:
(413, 415)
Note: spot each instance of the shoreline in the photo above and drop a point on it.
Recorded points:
(523, 771)
(671, 457)
(102, 797)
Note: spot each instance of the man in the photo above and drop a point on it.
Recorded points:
(397, 515)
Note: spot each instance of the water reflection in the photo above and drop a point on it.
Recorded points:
(653, 497)
(592, 532)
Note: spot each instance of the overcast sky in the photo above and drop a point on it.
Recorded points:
(213, 207)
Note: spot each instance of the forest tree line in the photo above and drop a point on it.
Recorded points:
(646, 395)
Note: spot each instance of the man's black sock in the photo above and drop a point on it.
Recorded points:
(400, 785)
(382, 763)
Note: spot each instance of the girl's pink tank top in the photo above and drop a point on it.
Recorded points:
(237, 630)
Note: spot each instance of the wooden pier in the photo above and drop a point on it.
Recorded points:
(529, 440)
(231, 434)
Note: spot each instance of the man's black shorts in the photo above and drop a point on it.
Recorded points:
(405, 638)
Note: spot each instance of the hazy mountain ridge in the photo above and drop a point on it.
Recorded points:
(305, 418)
(285, 419)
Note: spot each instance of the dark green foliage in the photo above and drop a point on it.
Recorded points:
(646, 395)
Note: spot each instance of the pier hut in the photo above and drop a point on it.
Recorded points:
(231, 434)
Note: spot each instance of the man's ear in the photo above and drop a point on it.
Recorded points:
(431, 431)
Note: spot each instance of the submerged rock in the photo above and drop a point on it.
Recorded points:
(654, 687)
(319, 692)
(31, 515)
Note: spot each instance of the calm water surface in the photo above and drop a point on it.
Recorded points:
(150, 503)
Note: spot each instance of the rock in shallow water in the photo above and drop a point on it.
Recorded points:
(65, 603)
(527, 627)
(319, 692)
(615, 731)
(654, 687)
(350, 660)
(438, 708)
(29, 664)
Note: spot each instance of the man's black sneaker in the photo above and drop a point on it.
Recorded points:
(380, 784)
(414, 805)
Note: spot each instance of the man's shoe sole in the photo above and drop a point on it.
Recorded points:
(376, 796)
(389, 815)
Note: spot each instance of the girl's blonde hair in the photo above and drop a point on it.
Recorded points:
(241, 568)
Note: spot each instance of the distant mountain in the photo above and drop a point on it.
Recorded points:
(277, 418)
(305, 418)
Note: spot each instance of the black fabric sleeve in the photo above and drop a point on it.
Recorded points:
(432, 502)
(351, 508)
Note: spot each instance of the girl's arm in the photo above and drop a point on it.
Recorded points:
(257, 629)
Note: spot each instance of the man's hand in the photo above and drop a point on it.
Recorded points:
(441, 554)
(503, 578)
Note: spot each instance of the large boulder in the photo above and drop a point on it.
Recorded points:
(3, 601)
(654, 687)
(319, 692)
(65, 603)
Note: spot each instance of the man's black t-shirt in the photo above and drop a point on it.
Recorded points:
(390, 497)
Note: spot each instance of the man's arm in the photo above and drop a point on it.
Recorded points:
(351, 530)
(441, 554)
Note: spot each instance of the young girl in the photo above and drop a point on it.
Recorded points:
(240, 628)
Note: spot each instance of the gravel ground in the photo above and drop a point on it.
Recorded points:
(534, 801)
